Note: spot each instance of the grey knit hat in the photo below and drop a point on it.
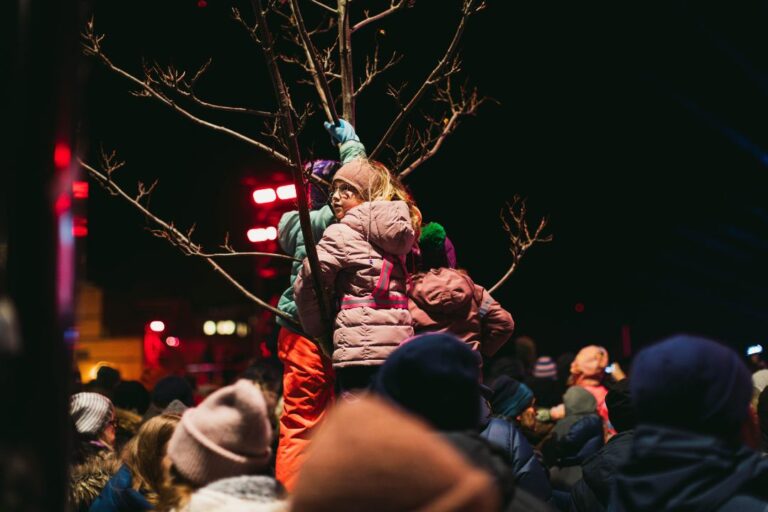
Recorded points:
(91, 412)
(227, 435)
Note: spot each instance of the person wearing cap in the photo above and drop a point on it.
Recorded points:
(593, 491)
(362, 270)
(219, 455)
(93, 458)
(437, 378)
(444, 298)
(691, 398)
(389, 462)
(308, 376)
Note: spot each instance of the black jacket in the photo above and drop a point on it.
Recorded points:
(673, 469)
(593, 491)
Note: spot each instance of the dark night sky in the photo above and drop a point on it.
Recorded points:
(636, 127)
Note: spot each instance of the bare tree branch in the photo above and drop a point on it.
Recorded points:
(372, 69)
(393, 8)
(466, 104)
(92, 47)
(346, 68)
(291, 140)
(323, 91)
(169, 232)
(326, 7)
(520, 239)
(447, 65)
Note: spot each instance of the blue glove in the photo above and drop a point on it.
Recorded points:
(341, 133)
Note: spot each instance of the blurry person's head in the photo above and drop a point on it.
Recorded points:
(525, 350)
(370, 456)
(131, 395)
(145, 454)
(578, 402)
(514, 401)
(172, 388)
(545, 368)
(94, 419)
(227, 435)
(693, 384)
(107, 377)
(759, 383)
(589, 365)
(436, 377)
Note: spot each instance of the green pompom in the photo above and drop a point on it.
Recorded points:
(432, 235)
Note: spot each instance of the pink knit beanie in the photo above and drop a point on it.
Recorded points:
(360, 174)
(227, 435)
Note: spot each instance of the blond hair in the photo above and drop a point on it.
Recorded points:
(145, 452)
(387, 187)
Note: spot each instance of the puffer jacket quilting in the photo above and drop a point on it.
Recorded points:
(351, 255)
(447, 300)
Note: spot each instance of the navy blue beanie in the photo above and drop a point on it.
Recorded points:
(436, 377)
(691, 383)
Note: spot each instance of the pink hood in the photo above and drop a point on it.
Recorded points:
(385, 224)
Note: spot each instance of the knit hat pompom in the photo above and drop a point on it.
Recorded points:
(436, 248)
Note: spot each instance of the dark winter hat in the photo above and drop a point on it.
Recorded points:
(437, 251)
(619, 403)
(131, 396)
(510, 397)
(359, 173)
(108, 377)
(436, 377)
(227, 435)
(172, 388)
(691, 383)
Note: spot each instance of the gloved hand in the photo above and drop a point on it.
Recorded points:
(341, 133)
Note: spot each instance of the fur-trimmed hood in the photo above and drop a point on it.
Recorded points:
(87, 480)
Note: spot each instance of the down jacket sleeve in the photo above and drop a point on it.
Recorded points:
(528, 471)
(496, 325)
(331, 254)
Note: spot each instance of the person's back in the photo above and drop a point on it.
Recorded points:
(362, 261)
(445, 299)
(691, 397)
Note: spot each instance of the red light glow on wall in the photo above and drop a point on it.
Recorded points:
(80, 227)
(80, 189)
(61, 155)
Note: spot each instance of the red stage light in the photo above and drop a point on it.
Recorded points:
(286, 192)
(156, 326)
(264, 195)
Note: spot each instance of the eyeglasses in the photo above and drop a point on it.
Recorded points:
(345, 191)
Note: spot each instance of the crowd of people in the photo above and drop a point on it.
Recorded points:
(403, 403)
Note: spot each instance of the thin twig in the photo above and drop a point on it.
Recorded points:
(326, 7)
(519, 235)
(393, 8)
(93, 48)
(176, 237)
(434, 77)
(323, 91)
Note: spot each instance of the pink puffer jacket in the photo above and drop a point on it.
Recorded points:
(352, 254)
(447, 300)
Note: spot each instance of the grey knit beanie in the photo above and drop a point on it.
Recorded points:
(91, 412)
(227, 435)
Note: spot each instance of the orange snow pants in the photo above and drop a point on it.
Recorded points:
(308, 381)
